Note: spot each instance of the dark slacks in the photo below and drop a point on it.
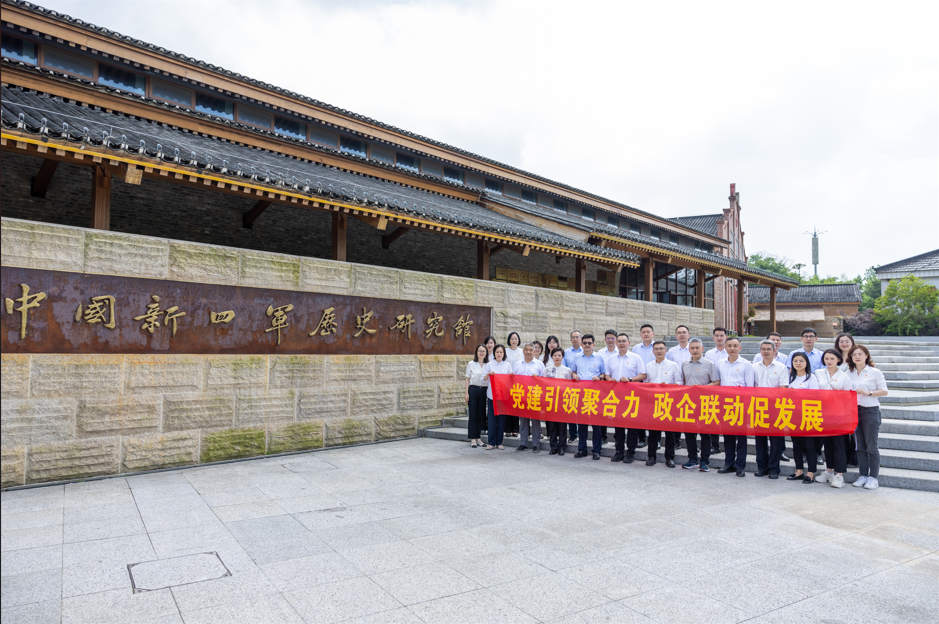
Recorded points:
(656, 436)
(476, 412)
(496, 426)
(735, 451)
(802, 445)
(511, 424)
(691, 439)
(573, 429)
(835, 456)
(868, 434)
(582, 439)
(557, 435)
(769, 450)
(632, 440)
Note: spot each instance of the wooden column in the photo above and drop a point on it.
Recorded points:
(700, 289)
(580, 275)
(647, 265)
(339, 236)
(482, 260)
(740, 310)
(772, 308)
(43, 177)
(100, 199)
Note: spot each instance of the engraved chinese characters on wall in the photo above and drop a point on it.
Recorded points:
(61, 312)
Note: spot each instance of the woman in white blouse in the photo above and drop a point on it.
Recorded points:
(497, 366)
(869, 384)
(476, 387)
(843, 343)
(801, 378)
(550, 345)
(513, 354)
(833, 378)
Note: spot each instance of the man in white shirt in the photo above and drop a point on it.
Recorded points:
(776, 339)
(808, 348)
(680, 353)
(769, 373)
(626, 367)
(735, 371)
(570, 354)
(662, 371)
(718, 353)
(644, 350)
(609, 337)
(531, 368)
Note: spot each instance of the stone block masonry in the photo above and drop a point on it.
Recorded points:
(67, 416)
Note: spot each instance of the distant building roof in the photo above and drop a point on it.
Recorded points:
(809, 294)
(928, 261)
(703, 223)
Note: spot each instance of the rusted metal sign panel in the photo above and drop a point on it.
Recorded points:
(61, 312)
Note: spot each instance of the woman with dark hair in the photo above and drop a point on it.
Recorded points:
(831, 377)
(539, 349)
(476, 387)
(550, 345)
(497, 366)
(869, 383)
(801, 378)
(843, 344)
(490, 343)
(513, 354)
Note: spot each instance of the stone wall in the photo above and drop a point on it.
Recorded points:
(73, 416)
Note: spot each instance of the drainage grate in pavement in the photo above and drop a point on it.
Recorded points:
(151, 575)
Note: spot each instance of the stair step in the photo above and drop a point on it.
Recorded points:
(908, 442)
(913, 385)
(921, 375)
(908, 366)
(910, 427)
(929, 413)
(905, 397)
(890, 476)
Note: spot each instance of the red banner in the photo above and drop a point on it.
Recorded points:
(691, 409)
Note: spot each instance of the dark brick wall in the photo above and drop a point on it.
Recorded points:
(167, 210)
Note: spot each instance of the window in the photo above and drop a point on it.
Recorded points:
(319, 135)
(452, 175)
(215, 106)
(120, 79)
(290, 127)
(254, 116)
(673, 239)
(588, 214)
(432, 168)
(529, 196)
(560, 206)
(474, 180)
(512, 191)
(353, 146)
(171, 93)
(19, 50)
(382, 154)
(634, 227)
(655, 234)
(408, 162)
(613, 221)
(57, 59)
(492, 185)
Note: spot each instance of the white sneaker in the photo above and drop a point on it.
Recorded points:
(860, 481)
(837, 481)
(824, 477)
(871, 484)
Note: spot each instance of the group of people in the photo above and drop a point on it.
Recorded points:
(846, 367)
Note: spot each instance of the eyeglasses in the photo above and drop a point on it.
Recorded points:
(587, 343)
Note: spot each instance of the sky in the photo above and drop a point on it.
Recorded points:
(824, 114)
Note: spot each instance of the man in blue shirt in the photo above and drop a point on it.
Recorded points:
(570, 354)
(588, 367)
(808, 348)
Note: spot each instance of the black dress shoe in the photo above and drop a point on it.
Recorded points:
(580, 454)
(669, 463)
(618, 457)
(761, 473)
(820, 460)
(641, 444)
(726, 469)
(596, 455)
(794, 477)
(650, 461)
(774, 475)
(536, 450)
(629, 459)
(604, 439)
(783, 457)
(560, 451)
(521, 448)
(741, 473)
(553, 452)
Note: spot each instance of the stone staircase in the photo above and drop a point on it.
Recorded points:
(909, 433)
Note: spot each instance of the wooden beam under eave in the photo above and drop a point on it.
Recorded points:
(772, 309)
(647, 265)
(482, 260)
(699, 288)
(379, 223)
(248, 218)
(40, 182)
(580, 275)
(100, 199)
(387, 239)
(740, 306)
(340, 225)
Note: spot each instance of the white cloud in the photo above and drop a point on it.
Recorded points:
(823, 113)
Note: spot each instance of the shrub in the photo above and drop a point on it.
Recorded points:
(908, 307)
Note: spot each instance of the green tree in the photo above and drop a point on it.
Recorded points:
(870, 288)
(908, 306)
(776, 264)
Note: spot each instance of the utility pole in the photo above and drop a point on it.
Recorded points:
(815, 234)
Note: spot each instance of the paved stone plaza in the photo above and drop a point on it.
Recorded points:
(432, 531)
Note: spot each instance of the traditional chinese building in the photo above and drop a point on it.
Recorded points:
(141, 186)
(819, 306)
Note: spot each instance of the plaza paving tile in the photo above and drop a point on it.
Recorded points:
(427, 531)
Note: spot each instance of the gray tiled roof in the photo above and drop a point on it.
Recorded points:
(928, 261)
(39, 114)
(809, 294)
(701, 223)
(100, 30)
(694, 253)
